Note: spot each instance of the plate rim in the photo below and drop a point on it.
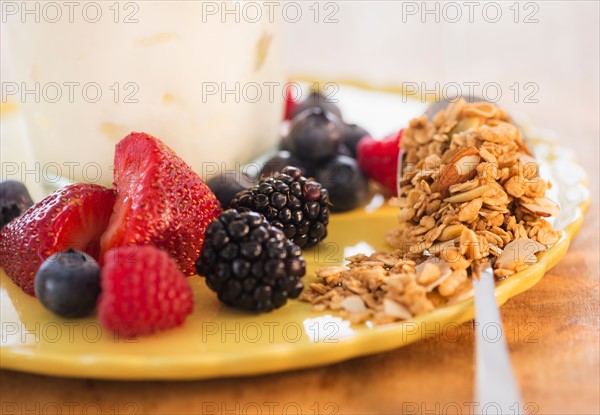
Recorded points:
(291, 356)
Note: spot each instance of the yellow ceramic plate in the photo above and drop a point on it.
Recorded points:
(217, 341)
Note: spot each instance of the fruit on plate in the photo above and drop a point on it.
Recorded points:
(73, 217)
(143, 291)
(249, 263)
(225, 186)
(281, 160)
(351, 135)
(343, 150)
(68, 283)
(347, 185)
(285, 144)
(316, 140)
(315, 135)
(160, 201)
(14, 200)
(291, 202)
(290, 103)
(316, 100)
(379, 159)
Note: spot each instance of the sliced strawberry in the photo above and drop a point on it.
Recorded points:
(73, 217)
(143, 291)
(160, 201)
(379, 159)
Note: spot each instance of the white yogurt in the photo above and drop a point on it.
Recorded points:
(166, 74)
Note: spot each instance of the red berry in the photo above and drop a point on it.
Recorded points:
(161, 201)
(143, 291)
(379, 159)
(290, 104)
(73, 217)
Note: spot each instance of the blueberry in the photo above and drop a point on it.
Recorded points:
(225, 187)
(351, 136)
(283, 159)
(68, 283)
(347, 185)
(285, 144)
(14, 200)
(344, 150)
(316, 100)
(315, 135)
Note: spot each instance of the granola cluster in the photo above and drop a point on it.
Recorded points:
(470, 193)
(385, 287)
(470, 187)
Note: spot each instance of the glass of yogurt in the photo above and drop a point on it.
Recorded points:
(85, 74)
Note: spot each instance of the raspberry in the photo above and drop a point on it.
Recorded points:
(143, 291)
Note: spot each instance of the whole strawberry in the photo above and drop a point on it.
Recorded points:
(143, 291)
(379, 159)
(73, 217)
(161, 201)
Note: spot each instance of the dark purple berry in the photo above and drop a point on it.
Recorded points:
(351, 136)
(291, 203)
(14, 200)
(315, 135)
(317, 100)
(68, 283)
(347, 185)
(265, 270)
(282, 159)
(225, 187)
(312, 191)
(343, 150)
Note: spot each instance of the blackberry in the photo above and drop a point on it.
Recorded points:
(296, 205)
(250, 263)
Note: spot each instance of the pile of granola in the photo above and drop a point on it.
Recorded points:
(385, 287)
(470, 192)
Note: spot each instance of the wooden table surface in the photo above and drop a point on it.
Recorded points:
(553, 333)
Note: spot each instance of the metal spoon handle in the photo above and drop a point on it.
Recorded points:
(494, 380)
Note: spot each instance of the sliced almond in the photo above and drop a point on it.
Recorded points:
(465, 124)
(468, 195)
(437, 248)
(331, 274)
(463, 187)
(451, 232)
(354, 304)
(445, 271)
(394, 309)
(519, 251)
(495, 249)
(542, 207)
(461, 167)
